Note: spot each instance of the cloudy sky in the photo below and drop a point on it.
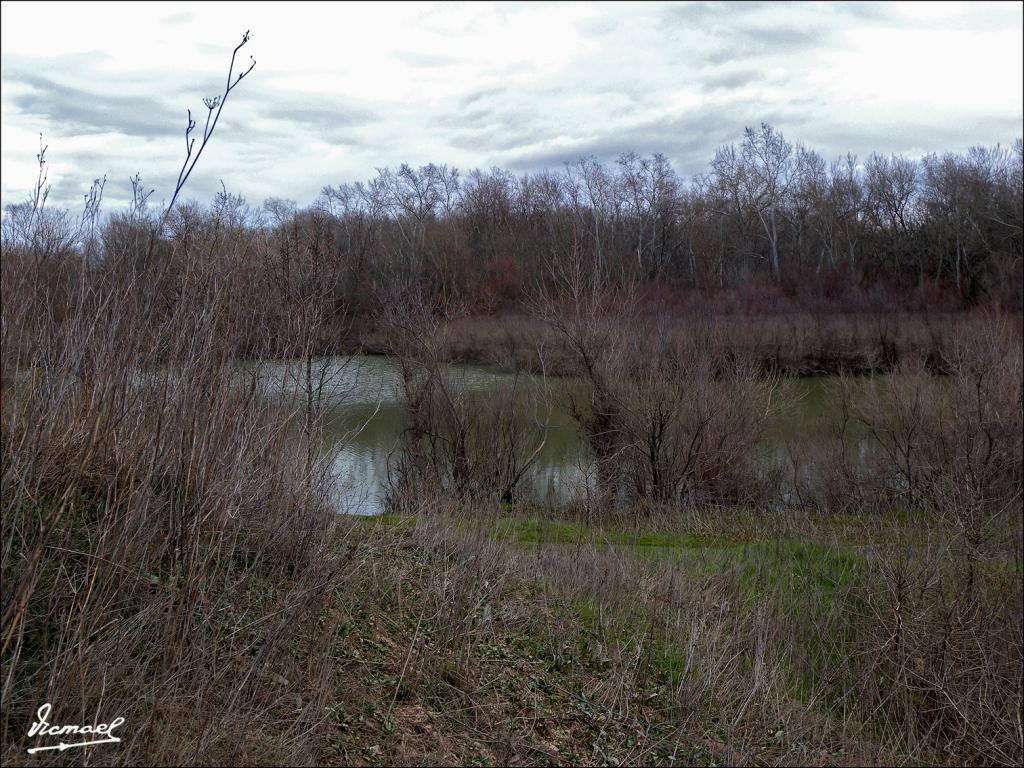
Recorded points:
(341, 89)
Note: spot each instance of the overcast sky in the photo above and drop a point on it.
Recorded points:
(341, 89)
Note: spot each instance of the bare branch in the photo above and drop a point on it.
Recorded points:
(214, 106)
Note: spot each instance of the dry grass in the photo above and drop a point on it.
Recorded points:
(750, 639)
(164, 537)
(797, 344)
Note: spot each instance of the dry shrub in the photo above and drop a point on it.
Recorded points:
(693, 423)
(164, 537)
(667, 420)
(940, 650)
(455, 442)
(940, 653)
(952, 445)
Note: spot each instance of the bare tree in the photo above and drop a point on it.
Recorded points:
(768, 158)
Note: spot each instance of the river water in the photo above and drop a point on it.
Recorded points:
(363, 424)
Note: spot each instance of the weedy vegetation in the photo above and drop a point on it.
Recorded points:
(173, 554)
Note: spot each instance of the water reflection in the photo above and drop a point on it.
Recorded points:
(363, 423)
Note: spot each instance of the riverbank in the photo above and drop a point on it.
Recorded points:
(492, 637)
(791, 345)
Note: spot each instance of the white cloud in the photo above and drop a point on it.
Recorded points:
(340, 89)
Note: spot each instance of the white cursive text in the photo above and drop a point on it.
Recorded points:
(42, 727)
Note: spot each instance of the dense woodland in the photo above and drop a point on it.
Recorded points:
(771, 226)
(767, 212)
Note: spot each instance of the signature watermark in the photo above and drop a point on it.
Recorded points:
(41, 727)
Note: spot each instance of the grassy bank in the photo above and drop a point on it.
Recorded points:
(503, 635)
(530, 640)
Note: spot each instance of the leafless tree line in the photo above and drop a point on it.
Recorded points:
(767, 212)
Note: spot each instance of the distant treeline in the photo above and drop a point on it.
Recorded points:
(770, 220)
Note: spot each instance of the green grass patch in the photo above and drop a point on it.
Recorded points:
(528, 531)
(392, 521)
